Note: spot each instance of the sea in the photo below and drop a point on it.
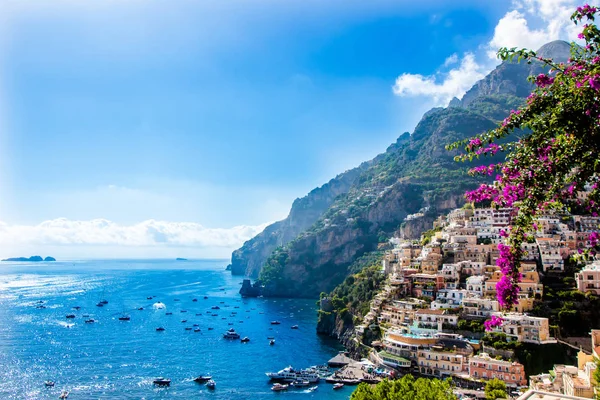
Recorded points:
(113, 359)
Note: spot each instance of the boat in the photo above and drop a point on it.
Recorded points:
(210, 329)
(140, 308)
(149, 298)
(337, 386)
(211, 384)
(124, 318)
(183, 321)
(89, 321)
(49, 384)
(100, 305)
(275, 322)
(70, 316)
(216, 307)
(320, 369)
(289, 374)
(231, 334)
(183, 311)
(64, 395)
(278, 387)
(246, 339)
(294, 326)
(196, 329)
(169, 313)
(300, 383)
(103, 302)
(194, 300)
(312, 389)
(76, 308)
(188, 328)
(162, 382)
(205, 297)
(203, 378)
(160, 329)
(272, 342)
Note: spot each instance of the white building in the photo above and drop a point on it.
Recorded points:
(588, 279)
(476, 285)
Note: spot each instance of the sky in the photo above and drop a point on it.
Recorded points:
(149, 129)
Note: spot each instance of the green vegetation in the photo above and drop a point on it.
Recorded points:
(406, 388)
(535, 358)
(427, 235)
(473, 325)
(495, 389)
(357, 291)
(573, 311)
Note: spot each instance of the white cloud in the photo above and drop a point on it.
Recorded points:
(515, 28)
(442, 87)
(529, 24)
(103, 232)
(453, 59)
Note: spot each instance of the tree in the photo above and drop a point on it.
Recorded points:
(552, 149)
(405, 388)
(495, 389)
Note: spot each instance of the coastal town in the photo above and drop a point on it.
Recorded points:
(439, 291)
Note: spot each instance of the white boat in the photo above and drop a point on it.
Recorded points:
(64, 395)
(231, 334)
(278, 387)
(312, 389)
(211, 384)
(289, 374)
(337, 386)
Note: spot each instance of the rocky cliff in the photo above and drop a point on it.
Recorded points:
(311, 251)
(249, 259)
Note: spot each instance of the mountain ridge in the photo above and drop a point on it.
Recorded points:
(311, 250)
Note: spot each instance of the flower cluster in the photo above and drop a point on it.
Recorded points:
(483, 170)
(543, 80)
(492, 323)
(552, 163)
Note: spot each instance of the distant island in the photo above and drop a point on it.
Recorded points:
(180, 259)
(30, 259)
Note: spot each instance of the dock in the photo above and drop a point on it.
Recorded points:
(353, 373)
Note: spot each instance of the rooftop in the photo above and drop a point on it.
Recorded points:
(540, 395)
(393, 357)
(432, 312)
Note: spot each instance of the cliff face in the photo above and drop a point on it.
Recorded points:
(310, 251)
(249, 259)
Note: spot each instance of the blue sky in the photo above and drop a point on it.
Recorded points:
(204, 119)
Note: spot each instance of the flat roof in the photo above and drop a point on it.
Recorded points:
(393, 357)
(541, 395)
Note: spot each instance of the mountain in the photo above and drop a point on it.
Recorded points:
(312, 250)
(249, 259)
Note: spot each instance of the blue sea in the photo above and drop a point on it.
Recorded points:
(119, 359)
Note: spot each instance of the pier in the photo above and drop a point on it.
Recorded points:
(353, 373)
